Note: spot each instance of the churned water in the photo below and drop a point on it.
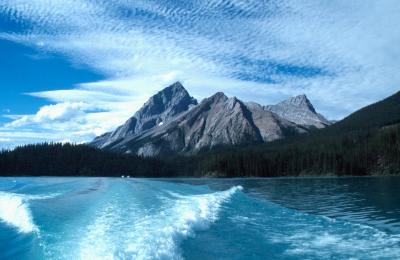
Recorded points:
(115, 218)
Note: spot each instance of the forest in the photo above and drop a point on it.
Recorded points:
(365, 143)
(54, 159)
(358, 153)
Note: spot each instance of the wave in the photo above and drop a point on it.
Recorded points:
(14, 210)
(154, 236)
(198, 211)
(188, 214)
(354, 242)
(321, 237)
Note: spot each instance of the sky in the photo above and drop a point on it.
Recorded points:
(73, 69)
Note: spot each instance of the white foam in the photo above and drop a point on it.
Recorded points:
(15, 212)
(353, 241)
(27, 197)
(152, 236)
(160, 235)
(98, 243)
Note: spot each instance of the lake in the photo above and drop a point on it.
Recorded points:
(121, 218)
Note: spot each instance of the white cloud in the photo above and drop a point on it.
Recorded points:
(342, 54)
(60, 112)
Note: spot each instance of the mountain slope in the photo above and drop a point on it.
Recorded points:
(299, 110)
(159, 109)
(171, 122)
(382, 113)
(217, 120)
(270, 125)
(366, 142)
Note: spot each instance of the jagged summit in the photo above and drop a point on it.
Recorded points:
(158, 110)
(217, 120)
(177, 86)
(171, 121)
(170, 101)
(218, 97)
(299, 110)
(298, 100)
(301, 101)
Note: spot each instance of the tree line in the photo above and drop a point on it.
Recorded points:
(356, 153)
(362, 152)
(55, 159)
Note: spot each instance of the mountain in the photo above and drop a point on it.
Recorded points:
(158, 110)
(367, 142)
(217, 120)
(380, 114)
(299, 110)
(171, 122)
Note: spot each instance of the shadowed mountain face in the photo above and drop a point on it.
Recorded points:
(380, 114)
(172, 122)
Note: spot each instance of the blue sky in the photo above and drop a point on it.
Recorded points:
(73, 69)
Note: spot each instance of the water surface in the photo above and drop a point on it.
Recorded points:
(115, 218)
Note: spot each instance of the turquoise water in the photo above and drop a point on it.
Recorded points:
(106, 218)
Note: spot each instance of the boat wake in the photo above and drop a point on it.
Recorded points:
(153, 236)
(15, 211)
(151, 219)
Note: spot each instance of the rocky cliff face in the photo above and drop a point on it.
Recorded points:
(171, 122)
(299, 110)
(272, 126)
(158, 110)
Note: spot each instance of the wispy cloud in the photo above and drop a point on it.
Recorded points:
(342, 54)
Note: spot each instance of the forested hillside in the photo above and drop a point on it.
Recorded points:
(360, 153)
(365, 143)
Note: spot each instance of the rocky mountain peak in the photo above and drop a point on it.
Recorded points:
(159, 109)
(176, 85)
(218, 97)
(166, 123)
(175, 89)
(300, 101)
(299, 110)
(171, 101)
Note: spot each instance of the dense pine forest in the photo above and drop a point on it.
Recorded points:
(359, 153)
(76, 160)
(365, 143)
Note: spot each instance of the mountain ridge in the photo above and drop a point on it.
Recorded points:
(365, 143)
(160, 108)
(299, 110)
(216, 120)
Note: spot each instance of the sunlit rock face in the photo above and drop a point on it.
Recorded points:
(172, 122)
(299, 110)
(159, 109)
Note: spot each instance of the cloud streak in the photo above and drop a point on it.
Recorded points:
(342, 54)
